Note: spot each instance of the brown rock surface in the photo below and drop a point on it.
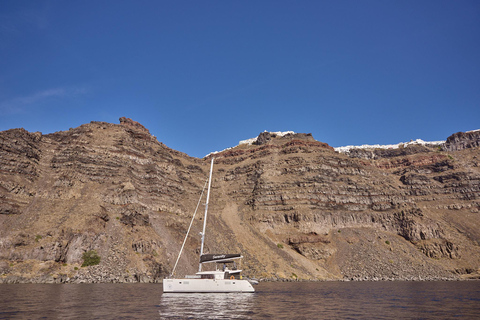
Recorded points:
(294, 207)
(463, 140)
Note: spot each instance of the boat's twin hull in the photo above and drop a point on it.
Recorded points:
(206, 285)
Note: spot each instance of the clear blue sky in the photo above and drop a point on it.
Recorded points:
(202, 75)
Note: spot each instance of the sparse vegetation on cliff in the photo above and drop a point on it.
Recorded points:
(90, 258)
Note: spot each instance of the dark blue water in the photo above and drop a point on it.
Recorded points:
(322, 300)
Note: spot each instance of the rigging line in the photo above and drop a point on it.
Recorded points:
(206, 210)
(188, 231)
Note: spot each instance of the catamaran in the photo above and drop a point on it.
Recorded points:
(225, 279)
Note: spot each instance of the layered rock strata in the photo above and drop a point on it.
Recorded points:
(293, 206)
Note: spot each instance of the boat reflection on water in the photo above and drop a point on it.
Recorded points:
(206, 305)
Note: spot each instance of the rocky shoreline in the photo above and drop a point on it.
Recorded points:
(145, 279)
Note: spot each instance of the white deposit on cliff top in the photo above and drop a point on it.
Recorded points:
(252, 140)
(277, 133)
(346, 149)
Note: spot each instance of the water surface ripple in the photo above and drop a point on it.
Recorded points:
(296, 300)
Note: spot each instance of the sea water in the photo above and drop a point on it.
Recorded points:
(289, 300)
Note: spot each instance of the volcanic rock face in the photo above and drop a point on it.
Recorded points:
(104, 187)
(463, 140)
(293, 206)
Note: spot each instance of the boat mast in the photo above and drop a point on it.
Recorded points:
(205, 217)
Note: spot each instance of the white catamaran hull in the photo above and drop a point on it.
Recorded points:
(206, 285)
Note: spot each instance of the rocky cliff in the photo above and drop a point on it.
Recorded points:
(293, 206)
(463, 140)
